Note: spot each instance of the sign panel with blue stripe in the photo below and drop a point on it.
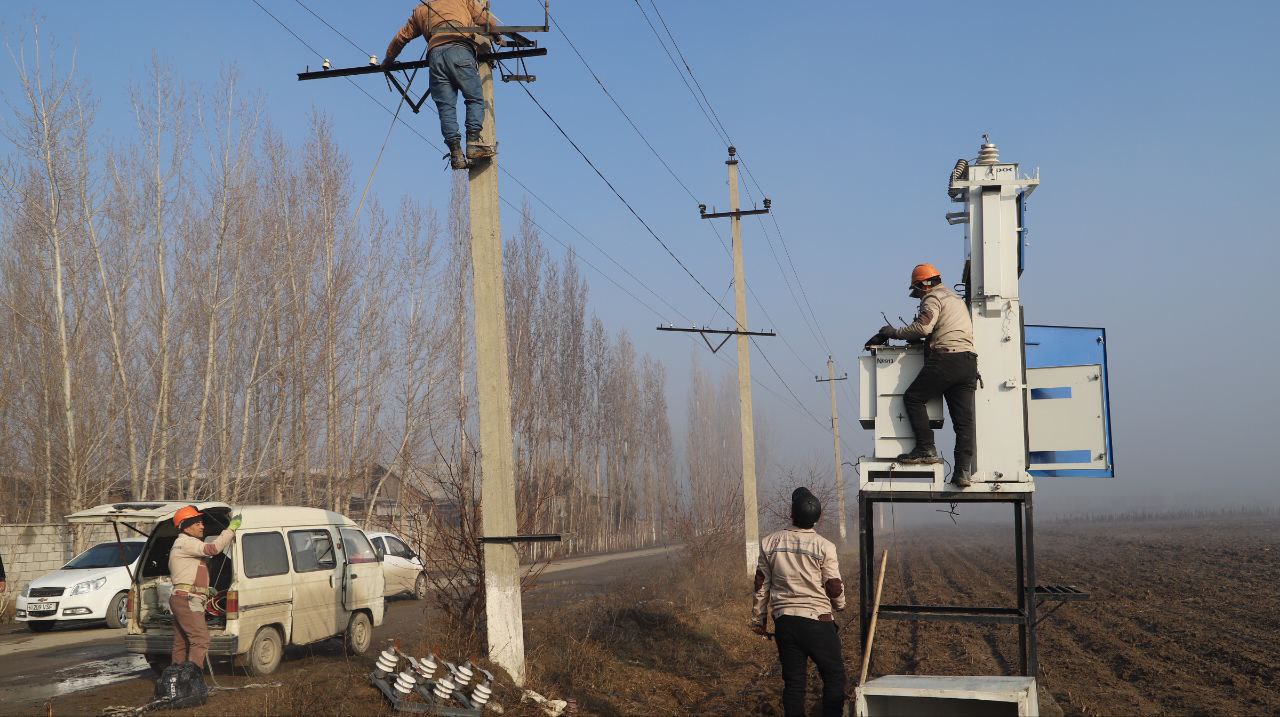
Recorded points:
(1068, 408)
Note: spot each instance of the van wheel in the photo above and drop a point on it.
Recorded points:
(118, 610)
(264, 654)
(157, 663)
(359, 634)
(41, 625)
(420, 587)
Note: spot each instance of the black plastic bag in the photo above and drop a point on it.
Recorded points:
(182, 685)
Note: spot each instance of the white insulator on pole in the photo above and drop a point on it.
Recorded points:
(444, 688)
(463, 675)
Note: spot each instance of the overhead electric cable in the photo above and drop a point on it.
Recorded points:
(713, 118)
(395, 118)
(623, 199)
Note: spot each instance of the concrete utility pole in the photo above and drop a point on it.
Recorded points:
(835, 432)
(751, 524)
(493, 389)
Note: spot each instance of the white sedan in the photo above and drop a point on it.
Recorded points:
(94, 585)
(401, 567)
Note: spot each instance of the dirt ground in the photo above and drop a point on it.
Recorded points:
(1182, 621)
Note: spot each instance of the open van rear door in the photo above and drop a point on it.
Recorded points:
(138, 511)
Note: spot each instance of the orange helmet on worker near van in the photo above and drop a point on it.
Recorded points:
(185, 514)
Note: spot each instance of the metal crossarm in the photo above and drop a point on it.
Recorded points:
(416, 64)
(727, 333)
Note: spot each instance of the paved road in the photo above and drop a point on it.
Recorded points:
(34, 668)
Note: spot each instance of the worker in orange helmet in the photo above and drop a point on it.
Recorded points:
(189, 571)
(950, 370)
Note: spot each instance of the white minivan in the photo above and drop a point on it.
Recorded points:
(292, 576)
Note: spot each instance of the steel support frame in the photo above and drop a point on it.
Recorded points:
(1023, 615)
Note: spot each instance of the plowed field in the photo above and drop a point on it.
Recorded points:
(1185, 615)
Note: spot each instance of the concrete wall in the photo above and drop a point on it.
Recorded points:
(33, 549)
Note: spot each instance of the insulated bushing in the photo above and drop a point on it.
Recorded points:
(444, 688)
(481, 694)
(427, 667)
(387, 663)
(463, 675)
(405, 682)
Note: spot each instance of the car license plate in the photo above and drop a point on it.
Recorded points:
(43, 608)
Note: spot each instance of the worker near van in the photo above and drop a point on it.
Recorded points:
(950, 370)
(189, 571)
(798, 582)
(451, 58)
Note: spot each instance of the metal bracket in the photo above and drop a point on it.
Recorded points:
(727, 333)
(511, 539)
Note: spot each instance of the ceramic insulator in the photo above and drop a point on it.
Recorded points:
(444, 688)
(387, 662)
(481, 694)
(405, 682)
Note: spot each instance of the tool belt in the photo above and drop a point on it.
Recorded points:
(194, 590)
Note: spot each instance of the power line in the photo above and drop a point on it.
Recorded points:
(623, 199)
(331, 27)
(711, 225)
(713, 118)
(616, 193)
(395, 118)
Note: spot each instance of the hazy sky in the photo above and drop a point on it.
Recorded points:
(1153, 124)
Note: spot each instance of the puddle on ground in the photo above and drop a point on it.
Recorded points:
(89, 675)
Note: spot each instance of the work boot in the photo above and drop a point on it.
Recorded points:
(920, 455)
(457, 159)
(962, 477)
(477, 150)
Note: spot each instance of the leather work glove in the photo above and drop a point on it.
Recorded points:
(887, 332)
(234, 525)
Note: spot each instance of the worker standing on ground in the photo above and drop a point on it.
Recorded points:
(798, 582)
(189, 571)
(950, 370)
(451, 56)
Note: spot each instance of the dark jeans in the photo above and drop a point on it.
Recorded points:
(454, 70)
(799, 640)
(954, 376)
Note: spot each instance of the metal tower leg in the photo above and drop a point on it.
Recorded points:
(1020, 568)
(1033, 662)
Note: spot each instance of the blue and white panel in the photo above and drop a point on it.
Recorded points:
(1068, 408)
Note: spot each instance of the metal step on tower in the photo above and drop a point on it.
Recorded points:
(1042, 410)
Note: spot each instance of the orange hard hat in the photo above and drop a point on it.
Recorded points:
(185, 514)
(923, 272)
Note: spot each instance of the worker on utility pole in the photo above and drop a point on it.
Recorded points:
(798, 582)
(451, 56)
(950, 370)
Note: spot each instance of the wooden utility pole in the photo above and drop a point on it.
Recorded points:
(751, 524)
(493, 389)
(835, 432)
